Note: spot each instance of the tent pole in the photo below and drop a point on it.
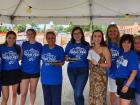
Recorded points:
(12, 17)
(17, 7)
(91, 16)
(44, 37)
(91, 25)
(44, 28)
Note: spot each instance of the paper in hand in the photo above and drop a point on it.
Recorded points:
(93, 55)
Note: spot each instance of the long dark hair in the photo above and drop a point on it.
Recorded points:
(102, 43)
(18, 49)
(83, 37)
(127, 37)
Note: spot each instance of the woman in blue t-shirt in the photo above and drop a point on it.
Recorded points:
(51, 70)
(127, 66)
(112, 37)
(137, 49)
(76, 53)
(30, 66)
(0, 73)
(10, 53)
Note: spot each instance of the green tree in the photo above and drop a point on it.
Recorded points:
(99, 27)
(86, 28)
(40, 30)
(58, 28)
(3, 29)
(35, 26)
(20, 27)
(69, 28)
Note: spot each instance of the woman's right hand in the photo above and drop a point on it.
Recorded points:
(124, 89)
(94, 62)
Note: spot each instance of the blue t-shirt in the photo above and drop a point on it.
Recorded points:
(9, 58)
(138, 86)
(138, 76)
(127, 62)
(0, 74)
(50, 74)
(0, 62)
(78, 51)
(31, 57)
(115, 52)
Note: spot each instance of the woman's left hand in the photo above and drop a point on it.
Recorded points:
(124, 89)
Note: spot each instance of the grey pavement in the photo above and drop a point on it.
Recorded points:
(67, 93)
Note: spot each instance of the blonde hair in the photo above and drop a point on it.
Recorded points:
(136, 38)
(118, 35)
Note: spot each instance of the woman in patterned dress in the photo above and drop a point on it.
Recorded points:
(100, 59)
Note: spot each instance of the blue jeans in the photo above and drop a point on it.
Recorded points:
(138, 99)
(78, 78)
(0, 90)
(52, 94)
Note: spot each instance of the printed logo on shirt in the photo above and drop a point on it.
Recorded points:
(114, 53)
(10, 57)
(78, 52)
(31, 54)
(139, 67)
(48, 58)
(121, 62)
(0, 60)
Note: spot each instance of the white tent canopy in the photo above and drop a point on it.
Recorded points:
(66, 11)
